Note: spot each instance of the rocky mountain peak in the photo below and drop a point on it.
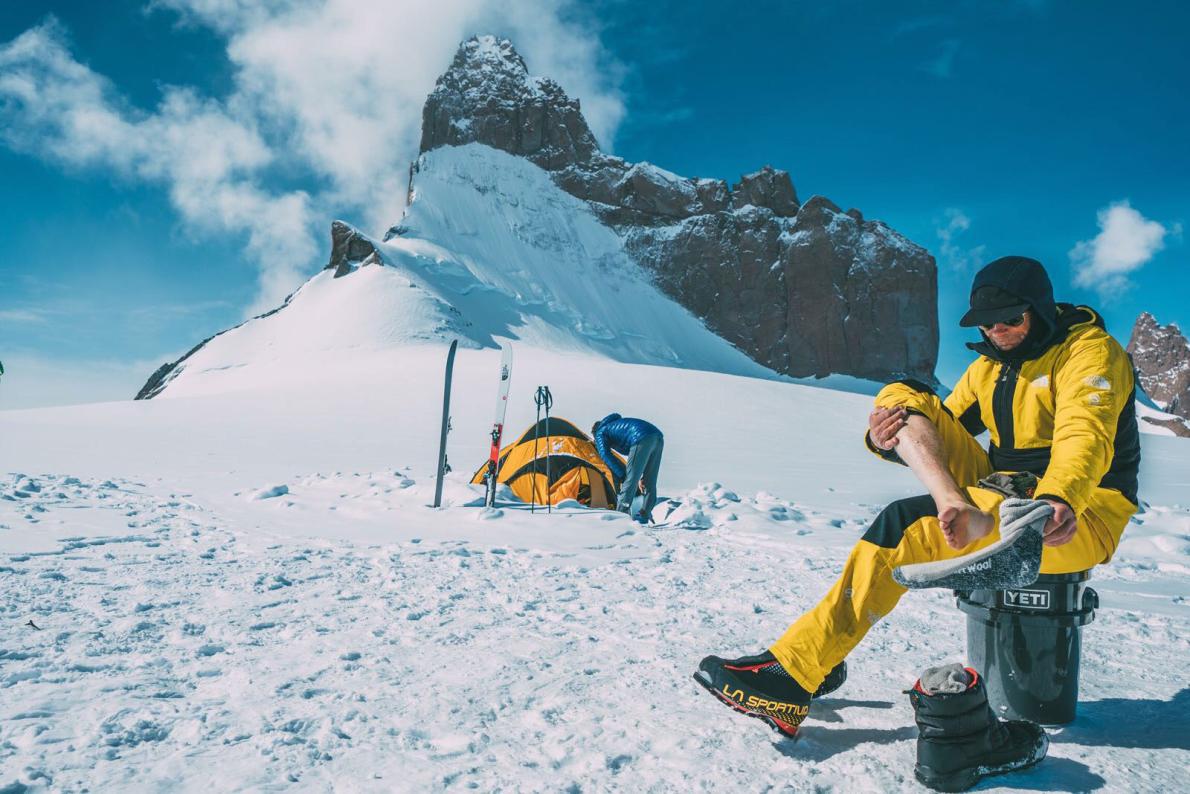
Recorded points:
(805, 289)
(489, 53)
(1161, 355)
(488, 96)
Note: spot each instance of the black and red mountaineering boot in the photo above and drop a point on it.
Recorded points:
(960, 741)
(760, 687)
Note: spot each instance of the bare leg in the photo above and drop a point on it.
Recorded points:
(920, 446)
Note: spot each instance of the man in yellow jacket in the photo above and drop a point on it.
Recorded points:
(1055, 393)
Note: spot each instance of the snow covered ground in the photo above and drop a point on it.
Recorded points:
(247, 591)
(239, 585)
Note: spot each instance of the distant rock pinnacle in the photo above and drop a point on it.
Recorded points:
(1161, 355)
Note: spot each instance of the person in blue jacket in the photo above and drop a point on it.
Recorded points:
(642, 443)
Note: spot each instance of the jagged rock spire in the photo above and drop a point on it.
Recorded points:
(1161, 355)
(349, 249)
(488, 96)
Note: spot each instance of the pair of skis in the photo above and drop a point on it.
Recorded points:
(497, 425)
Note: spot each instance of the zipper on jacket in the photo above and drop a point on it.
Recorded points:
(1002, 405)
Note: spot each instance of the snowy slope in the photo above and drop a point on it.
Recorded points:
(246, 591)
(490, 250)
(241, 587)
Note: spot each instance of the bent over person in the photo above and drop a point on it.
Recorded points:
(642, 443)
(1055, 393)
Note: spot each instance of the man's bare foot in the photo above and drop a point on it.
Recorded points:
(963, 524)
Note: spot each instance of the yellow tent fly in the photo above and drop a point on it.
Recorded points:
(575, 469)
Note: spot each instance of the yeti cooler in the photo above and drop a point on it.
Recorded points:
(1026, 643)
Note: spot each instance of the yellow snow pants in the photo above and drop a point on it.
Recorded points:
(907, 531)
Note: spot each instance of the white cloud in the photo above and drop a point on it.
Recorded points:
(949, 228)
(332, 89)
(209, 160)
(1126, 241)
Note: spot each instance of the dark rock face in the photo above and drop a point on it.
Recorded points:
(803, 289)
(768, 188)
(487, 96)
(349, 249)
(1179, 427)
(818, 294)
(864, 297)
(1161, 355)
(167, 372)
(155, 383)
(626, 195)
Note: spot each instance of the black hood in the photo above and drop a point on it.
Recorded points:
(1012, 282)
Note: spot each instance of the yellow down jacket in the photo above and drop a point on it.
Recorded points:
(1068, 414)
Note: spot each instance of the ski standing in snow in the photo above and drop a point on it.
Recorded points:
(443, 466)
(498, 423)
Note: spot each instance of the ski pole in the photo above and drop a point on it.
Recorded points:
(537, 432)
(543, 398)
(549, 401)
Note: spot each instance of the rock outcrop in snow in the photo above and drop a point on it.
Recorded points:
(1161, 354)
(802, 289)
(350, 249)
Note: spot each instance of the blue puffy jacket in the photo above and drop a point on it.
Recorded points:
(615, 432)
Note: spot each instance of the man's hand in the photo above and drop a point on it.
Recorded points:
(883, 424)
(1061, 526)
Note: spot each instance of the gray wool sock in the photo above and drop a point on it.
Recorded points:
(1012, 561)
(949, 678)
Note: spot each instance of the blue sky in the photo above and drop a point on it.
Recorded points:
(212, 142)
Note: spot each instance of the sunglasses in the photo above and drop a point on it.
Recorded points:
(1011, 322)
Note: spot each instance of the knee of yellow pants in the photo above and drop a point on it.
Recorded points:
(965, 458)
(902, 394)
(1099, 529)
(862, 595)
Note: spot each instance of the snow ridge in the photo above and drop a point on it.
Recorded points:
(489, 250)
